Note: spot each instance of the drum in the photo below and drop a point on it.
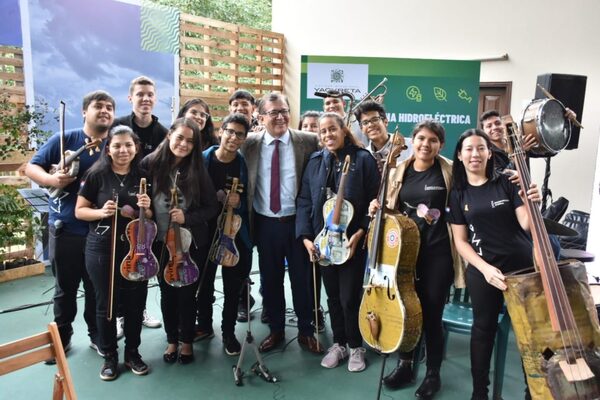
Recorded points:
(545, 119)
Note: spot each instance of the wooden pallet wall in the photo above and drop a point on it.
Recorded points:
(217, 58)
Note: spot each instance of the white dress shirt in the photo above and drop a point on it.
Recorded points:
(287, 177)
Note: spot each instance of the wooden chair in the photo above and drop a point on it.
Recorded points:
(458, 318)
(35, 349)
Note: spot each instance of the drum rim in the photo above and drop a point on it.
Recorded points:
(545, 149)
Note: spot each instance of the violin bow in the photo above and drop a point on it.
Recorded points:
(61, 127)
(113, 256)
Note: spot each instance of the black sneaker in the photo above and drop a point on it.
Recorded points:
(110, 368)
(232, 346)
(52, 361)
(95, 347)
(134, 362)
(321, 319)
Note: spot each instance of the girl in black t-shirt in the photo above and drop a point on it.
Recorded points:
(490, 223)
(116, 172)
(181, 151)
(419, 188)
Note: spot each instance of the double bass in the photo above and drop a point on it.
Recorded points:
(332, 241)
(180, 270)
(390, 315)
(223, 250)
(552, 311)
(140, 263)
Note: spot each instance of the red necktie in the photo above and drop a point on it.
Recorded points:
(275, 184)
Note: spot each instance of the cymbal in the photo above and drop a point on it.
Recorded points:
(558, 229)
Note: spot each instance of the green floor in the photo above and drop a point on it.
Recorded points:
(298, 373)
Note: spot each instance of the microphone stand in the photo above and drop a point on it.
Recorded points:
(259, 367)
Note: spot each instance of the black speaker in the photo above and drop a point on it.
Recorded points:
(569, 90)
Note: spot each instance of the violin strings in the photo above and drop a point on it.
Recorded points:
(554, 280)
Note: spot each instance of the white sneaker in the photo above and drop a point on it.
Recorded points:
(120, 322)
(150, 322)
(356, 362)
(335, 354)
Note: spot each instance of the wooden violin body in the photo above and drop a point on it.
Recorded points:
(542, 348)
(223, 250)
(389, 299)
(70, 164)
(140, 263)
(332, 241)
(180, 270)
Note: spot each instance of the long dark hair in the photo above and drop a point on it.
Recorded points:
(459, 174)
(104, 163)
(162, 161)
(208, 132)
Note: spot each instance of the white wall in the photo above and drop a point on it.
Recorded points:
(540, 36)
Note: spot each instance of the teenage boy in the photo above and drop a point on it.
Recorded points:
(224, 163)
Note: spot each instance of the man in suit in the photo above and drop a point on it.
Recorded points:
(276, 157)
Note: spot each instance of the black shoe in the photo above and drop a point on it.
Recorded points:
(479, 397)
(203, 334)
(321, 319)
(264, 318)
(232, 346)
(171, 357)
(134, 362)
(110, 368)
(185, 358)
(243, 312)
(401, 376)
(430, 386)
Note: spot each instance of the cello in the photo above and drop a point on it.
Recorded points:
(332, 241)
(390, 316)
(140, 263)
(223, 251)
(552, 311)
(180, 270)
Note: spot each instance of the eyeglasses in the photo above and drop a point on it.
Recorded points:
(238, 134)
(276, 113)
(368, 122)
(200, 114)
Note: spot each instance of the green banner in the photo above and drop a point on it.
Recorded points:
(445, 90)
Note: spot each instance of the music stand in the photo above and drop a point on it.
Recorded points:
(259, 367)
(38, 199)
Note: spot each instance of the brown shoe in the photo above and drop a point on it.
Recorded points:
(271, 341)
(309, 343)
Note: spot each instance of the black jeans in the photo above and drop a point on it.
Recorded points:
(67, 256)
(487, 304)
(178, 304)
(233, 280)
(131, 295)
(343, 285)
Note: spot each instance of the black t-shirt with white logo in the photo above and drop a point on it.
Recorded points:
(494, 231)
(99, 187)
(423, 199)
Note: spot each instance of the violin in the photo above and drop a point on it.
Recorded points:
(140, 263)
(552, 310)
(332, 242)
(180, 270)
(69, 160)
(390, 315)
(223, 251)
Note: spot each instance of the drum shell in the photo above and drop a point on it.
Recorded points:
(539, 119)
(530, 318)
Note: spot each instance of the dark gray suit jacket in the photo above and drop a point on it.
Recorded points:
(304, 144)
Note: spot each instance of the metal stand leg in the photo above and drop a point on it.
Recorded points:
(259, 367)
